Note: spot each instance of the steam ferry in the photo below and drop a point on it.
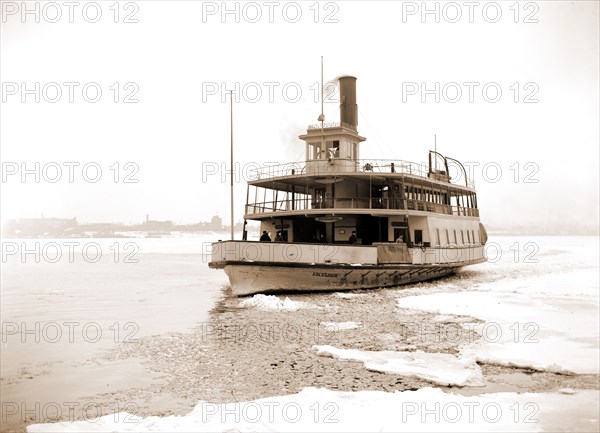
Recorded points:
(337, 222)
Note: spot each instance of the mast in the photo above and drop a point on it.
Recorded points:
(231, 92)
(322, 116)
(435, 149)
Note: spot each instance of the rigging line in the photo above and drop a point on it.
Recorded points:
(379, 138)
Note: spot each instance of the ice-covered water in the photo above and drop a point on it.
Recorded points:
(424, 410)
(58, 318)
(535, 302)
(72, 308)
(538, 303)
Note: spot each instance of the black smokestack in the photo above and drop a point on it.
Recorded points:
(348, 107)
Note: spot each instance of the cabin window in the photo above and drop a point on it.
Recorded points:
(437, 237)
(447, 238)
(317, 154)
(319, 199)
(455, 238)
(462, 236)
(418, 237)
(468, 236)
(473, 236)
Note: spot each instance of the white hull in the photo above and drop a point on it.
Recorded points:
(263, 267)
(247, 278)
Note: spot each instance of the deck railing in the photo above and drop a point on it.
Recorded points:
(360, 166)
(358, 203)
(331, 125)
(341, 166)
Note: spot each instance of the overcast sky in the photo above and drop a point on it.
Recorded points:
(179, 57)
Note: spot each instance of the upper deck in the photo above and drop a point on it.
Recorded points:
(344, 186)
(315, 170)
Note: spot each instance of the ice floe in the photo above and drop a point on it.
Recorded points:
(271, 302)
(440, 368)
(346, 295)
(555, 333)
(315, 409)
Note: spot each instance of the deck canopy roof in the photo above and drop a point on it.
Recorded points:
(303, 183)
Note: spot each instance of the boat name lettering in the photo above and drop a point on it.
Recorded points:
(325, 274)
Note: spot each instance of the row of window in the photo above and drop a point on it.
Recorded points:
(467, 199)
(469, 238)
(331, 149)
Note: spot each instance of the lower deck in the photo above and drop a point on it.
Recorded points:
(440, 231)
(282, 253)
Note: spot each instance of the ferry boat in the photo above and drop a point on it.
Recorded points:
(337, 222)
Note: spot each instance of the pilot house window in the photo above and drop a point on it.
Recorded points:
(418, 237)
(333, 149)
(314, 151)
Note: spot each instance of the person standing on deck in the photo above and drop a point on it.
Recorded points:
(265, 237)
(352, 238)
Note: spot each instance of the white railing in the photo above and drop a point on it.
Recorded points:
(330, 125)
(306, 203)
(333, 165)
